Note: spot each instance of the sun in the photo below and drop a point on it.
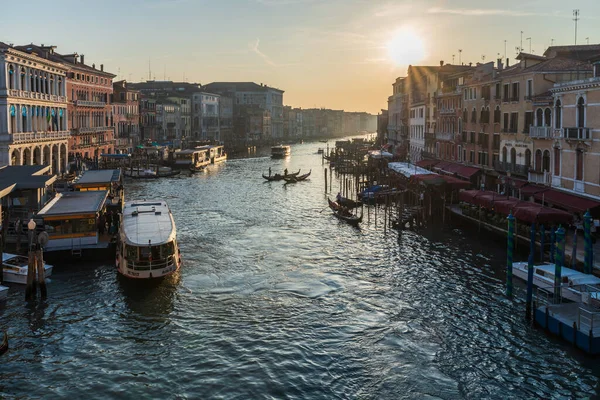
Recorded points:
(405, 47)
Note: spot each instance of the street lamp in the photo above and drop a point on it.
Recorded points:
(31, 226)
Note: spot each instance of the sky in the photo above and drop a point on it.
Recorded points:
(340, 54)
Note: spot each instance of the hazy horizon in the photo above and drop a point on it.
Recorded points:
(334, 54)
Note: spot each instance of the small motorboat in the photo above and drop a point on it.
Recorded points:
(14, 268)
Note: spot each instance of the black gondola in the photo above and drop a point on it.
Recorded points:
(4, 344)
(298, 178)
(193, 169)
(348, 203)
(344, 214)
(280, 177)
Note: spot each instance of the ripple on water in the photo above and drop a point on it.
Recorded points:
(278, 299)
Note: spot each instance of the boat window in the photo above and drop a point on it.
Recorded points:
(70, 226)
(539, 272)
(132, 252)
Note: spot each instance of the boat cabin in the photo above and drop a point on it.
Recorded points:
(110, 180)
(197, 158)
(71, 221)
(280, 151)
(217, 154)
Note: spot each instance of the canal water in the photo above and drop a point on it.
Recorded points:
(279, 300)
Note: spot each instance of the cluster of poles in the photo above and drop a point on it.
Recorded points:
(557, 255)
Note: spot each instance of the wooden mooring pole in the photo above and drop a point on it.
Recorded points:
(325, 180)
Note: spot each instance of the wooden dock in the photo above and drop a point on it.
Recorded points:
(577, 323)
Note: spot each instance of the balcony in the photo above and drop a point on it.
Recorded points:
(444, 136)
(514, 99)
(37, 96)
(528, 97)
(541, 132)
(93, 129)
(86, 103)
(577, 133)
(447, 111)
(31, 137)
(541, 177)
(514, 169)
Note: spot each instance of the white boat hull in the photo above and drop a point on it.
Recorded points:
(149, 273)
(567, 293)
(20, 277)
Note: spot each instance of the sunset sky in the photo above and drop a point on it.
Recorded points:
(341, 54)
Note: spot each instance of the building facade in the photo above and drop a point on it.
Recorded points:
(126, 117)
(205, 117)
(33, 108)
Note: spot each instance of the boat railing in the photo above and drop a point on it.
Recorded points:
(545, 295)
(151, 265)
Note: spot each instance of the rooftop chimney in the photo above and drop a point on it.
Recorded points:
(82, 59)
(507, 64)
(441, 63)
(102, 67)
(94, 66)
(500, 66)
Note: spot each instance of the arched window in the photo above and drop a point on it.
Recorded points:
(528, 158)
(513, 157)
(556, 161)
(497, 115)
(504, 154)
(546, 161)
(539, 117)
(23, 79)
(60, 86)
(558, 115)
(547, 117)
(460, 125)
(24, 127)
(11, 77)
(482, 115)
(474, 115)
(580, 113)
(13, 119)
(538, 160)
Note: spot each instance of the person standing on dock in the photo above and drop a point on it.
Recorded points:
(269, 171)
(285, 172)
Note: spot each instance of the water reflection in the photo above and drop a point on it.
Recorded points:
(149, 298)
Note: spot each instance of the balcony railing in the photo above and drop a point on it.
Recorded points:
(28, 137)
(447, 111)
(540, 132)
(86, 103)
(514, 98)
(93, 129)
(577, 133)
(512, 168)
(541, 177)
(37, 96)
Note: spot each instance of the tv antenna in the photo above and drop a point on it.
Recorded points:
(453, 58)
(587, 39)
(459, 56)
(505, 49)
(521, 46)
(575, 18)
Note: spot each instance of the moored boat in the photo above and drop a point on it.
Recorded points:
(147, 246)
(574, 283)
(14, 268)
(280, 151)
(344, 214)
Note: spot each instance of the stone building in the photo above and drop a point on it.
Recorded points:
(126, 116)
(206, 117)
(33, 108)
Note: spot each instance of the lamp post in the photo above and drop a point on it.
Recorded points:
(31, 226)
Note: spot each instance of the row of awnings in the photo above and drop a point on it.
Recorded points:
(450, 168)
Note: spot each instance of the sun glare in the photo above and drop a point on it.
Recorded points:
(405, 47)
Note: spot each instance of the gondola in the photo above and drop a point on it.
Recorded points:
(348, 203)
(280, 177)
(344, 214)
(4, 344)
(294, 179)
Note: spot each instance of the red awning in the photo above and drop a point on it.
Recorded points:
(506, 205)
(456, 183)
(532, 188)
(467, 172)
(470, 196)
(426, 163)
(441, 165)
(568, 201)
(518, 183)
(451, 168)
(488, 199)
(535, 213)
